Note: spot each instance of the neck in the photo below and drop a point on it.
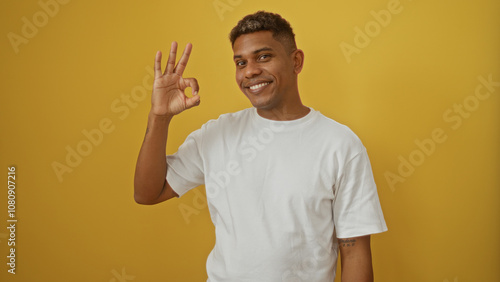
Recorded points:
(284, 112)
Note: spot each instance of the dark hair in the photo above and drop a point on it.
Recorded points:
(265, 21)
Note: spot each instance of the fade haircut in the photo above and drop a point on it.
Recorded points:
(265, 21)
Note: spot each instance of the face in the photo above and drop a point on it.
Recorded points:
(265, 71)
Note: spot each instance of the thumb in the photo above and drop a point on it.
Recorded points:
(193, 101)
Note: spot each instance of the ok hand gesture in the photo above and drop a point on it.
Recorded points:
(168, 98)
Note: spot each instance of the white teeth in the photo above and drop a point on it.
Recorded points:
(254, 87)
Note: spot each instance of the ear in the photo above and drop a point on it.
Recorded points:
(298, 60)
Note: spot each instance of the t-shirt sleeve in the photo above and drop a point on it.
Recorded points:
(185, 167)
(356, 206)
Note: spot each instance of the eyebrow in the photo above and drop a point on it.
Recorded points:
(255, 52)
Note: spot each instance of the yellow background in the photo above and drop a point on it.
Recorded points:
(443, 219)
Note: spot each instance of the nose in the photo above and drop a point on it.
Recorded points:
(252, 69)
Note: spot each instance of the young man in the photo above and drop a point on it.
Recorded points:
(286, 186)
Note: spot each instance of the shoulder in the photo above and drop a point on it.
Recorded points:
(335, 129)
(225, 126)
(228, 120)
(335, 137)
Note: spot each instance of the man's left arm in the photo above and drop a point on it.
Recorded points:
(356, 259)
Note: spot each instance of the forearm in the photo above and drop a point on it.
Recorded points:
(357, 270)
(151, 165)
(356, 259)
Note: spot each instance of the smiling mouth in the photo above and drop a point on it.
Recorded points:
(259, 86)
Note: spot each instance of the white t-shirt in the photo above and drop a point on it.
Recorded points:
(279, 194)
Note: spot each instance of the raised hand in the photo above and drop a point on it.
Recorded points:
(169, 98)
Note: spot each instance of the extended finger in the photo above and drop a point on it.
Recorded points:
(158, 64)
(181, 65)
(171, 58)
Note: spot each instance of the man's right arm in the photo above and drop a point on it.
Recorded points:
(167, 100)
(150, 183)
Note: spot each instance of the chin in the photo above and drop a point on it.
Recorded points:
(262, 102)
(263, 106)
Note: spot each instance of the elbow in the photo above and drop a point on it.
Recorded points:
(141, 198)
(141, 201)
(145, 194)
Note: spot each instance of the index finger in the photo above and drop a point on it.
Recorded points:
(157, 70)
(181, 65)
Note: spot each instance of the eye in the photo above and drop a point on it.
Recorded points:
(264, 56)
(240, 63)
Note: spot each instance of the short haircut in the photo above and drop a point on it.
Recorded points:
(265, 21)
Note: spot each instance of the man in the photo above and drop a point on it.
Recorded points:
(286, 186)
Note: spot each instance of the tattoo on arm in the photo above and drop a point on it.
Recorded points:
(347, 242)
